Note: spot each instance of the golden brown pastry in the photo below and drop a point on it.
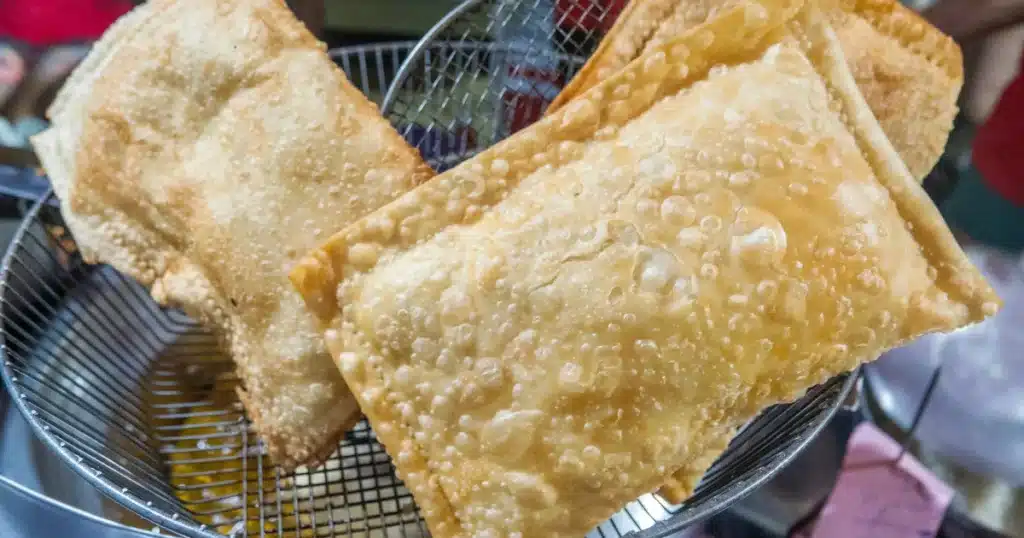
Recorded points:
(909, 72)
(201, 148)
(592, 306)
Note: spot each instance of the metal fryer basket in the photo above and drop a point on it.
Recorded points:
(140, 401)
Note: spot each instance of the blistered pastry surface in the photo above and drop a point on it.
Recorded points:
(565, 321)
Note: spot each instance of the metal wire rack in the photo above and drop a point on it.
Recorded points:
(141, 402)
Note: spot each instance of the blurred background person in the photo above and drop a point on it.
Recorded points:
(987, 202)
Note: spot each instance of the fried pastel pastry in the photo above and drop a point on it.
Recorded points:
(201, 148)
(594, 305)
(909, 72)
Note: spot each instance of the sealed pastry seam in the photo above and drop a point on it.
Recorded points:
(335, 273)
(954, 272)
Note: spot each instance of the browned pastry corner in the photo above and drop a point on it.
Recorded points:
(909, 72)
(201, 147)
(590, 308)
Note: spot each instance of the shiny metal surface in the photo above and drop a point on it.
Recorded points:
(25, 513)
(41, 496)
(39, 493)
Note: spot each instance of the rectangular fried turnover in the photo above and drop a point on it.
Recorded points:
(909, 72)
(593, 306)
(201, 148)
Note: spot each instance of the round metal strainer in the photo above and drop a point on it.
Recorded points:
(140, 402)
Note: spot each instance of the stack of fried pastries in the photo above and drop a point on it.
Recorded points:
(721, 211)
(589, 309)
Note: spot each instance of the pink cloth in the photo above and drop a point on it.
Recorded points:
(52, 22)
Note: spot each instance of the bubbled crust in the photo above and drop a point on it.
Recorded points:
(574, 316)
(200, 148)
(909, 71)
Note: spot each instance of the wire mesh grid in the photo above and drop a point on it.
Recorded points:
(141, 402)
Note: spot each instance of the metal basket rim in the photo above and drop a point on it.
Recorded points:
(120, 496)
(424, 42)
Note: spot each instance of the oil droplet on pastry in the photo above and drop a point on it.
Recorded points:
(572, 378)
(654, 269)
(609, 370)
(770, 163)
(862, 337)
(646, 348)
(837, 353)
(510, 433)
(738, 300)
(691, 238)
(739, 180)
(623, 232)
(490, 374)
(792, 300)
(685, 290)
(659, 170)
(580, 114)
(859, 199)
(500, 167)
(646, 207)
(730, 115)
(696, 180)
(591, 454)
(870, 280)
(656, 65)
(546, 300)
(531, 490)
(680, 52)
(678, 211)
(710, 224)
(767, 289)
(754, 14)
(758, 237)
(363, 255)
